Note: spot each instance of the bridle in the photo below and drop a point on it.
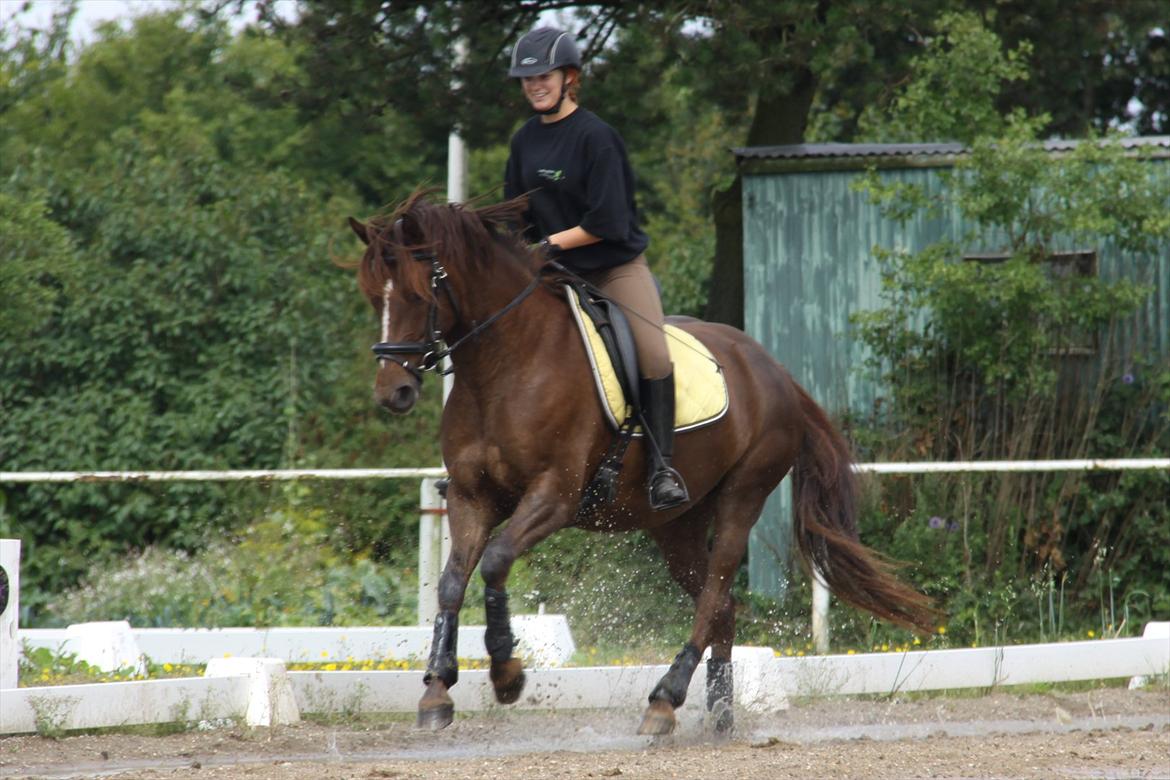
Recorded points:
(432, 349)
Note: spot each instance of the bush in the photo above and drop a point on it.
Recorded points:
(281, 571)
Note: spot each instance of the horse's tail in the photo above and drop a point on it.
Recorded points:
(825, 525)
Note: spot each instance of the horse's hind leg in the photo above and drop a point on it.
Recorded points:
(714, 616)
(684, 547)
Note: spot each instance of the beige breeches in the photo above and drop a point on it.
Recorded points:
(632, 286)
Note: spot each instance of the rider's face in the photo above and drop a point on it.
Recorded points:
(543, 91)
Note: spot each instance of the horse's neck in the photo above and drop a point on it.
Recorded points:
(524, 335)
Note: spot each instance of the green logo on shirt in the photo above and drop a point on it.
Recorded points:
(551, 175)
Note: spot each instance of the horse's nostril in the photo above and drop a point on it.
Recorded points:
(403, 396)
(400, 400)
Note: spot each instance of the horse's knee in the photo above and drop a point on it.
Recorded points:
(496, 563)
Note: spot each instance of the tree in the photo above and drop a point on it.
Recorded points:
(38, 263)
(812, 72)
(1089, 59)
(783, 71)
(1019, 358)
(176, 303)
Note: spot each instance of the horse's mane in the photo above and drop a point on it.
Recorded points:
(466, 237)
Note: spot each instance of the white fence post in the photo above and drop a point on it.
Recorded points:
(9, 611)
(434, 545)
(820, 613)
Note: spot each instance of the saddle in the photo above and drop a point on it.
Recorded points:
(700, 387)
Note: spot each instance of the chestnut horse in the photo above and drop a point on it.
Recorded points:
(523, 432)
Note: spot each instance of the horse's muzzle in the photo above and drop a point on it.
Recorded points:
(397, 399)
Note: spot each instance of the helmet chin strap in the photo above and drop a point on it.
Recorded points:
(556, 108)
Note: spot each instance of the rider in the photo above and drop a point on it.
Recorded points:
(577, 175)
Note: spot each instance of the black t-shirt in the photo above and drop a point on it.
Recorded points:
(576, 172)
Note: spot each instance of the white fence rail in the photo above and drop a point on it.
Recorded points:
(972, 466)
(988, 466)
(255, 475)
(260, 692)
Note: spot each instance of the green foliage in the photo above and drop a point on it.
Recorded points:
(38, 263)
(953, 88)
(1097, 193)
(681, 174)
(177, 303)
(283, 570)
(1019, 355)
(43, 666)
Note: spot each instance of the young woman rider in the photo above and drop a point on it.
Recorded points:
(575, 170)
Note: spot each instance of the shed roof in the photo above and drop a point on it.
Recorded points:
(1158, 144)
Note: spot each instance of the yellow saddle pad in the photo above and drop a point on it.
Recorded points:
(700, 389)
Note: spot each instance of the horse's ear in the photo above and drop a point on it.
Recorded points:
(361, 230)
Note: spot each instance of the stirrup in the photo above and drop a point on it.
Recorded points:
(670, 494)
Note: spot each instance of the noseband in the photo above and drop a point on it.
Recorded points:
(432, 349)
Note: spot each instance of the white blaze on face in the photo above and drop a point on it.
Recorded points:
(389, 288)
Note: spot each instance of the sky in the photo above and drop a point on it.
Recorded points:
(37, 13)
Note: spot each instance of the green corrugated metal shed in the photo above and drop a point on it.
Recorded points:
(808, 266)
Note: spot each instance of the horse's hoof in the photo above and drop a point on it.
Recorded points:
(658, 720)
(508, 680)
(436, 710)
(723, 717)
(435, 718)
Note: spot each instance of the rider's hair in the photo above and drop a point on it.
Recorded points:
(575, 87)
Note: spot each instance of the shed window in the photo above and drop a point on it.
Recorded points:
(1060, 265)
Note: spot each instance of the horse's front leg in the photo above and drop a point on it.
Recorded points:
(469, 533)
(542, 511)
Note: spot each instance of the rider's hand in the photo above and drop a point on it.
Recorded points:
(546, 249)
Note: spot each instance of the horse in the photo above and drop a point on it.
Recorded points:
(522, 432)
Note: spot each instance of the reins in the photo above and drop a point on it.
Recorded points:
(432, 349)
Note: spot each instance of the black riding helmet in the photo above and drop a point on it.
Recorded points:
(542, 50)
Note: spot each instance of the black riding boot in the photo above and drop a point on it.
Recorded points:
(666, 485)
